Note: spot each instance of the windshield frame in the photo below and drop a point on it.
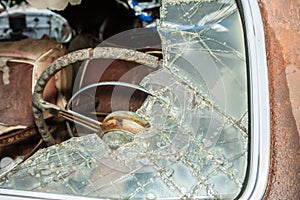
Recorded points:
(259, 163)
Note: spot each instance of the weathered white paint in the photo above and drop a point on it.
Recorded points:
(53, 4)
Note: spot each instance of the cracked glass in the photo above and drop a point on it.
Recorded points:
(197, 143)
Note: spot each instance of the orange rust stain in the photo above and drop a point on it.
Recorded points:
(282, 34)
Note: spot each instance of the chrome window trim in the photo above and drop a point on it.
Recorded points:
(6, 194)
(259, 159)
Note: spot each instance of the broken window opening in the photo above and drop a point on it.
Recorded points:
(197, 142)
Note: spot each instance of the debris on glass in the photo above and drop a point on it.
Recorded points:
(197, 143)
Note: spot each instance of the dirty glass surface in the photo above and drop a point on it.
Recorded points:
(196, 145)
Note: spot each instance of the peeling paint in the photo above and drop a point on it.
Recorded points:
(5, 70)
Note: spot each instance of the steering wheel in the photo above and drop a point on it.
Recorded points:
(109, 123)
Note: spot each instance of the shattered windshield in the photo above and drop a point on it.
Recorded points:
(196, 142)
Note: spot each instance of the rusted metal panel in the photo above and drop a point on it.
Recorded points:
(281, 25)
(16, 95)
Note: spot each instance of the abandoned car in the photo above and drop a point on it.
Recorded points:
(150, 99)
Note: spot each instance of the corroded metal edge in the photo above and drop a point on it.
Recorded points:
(281, 25)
